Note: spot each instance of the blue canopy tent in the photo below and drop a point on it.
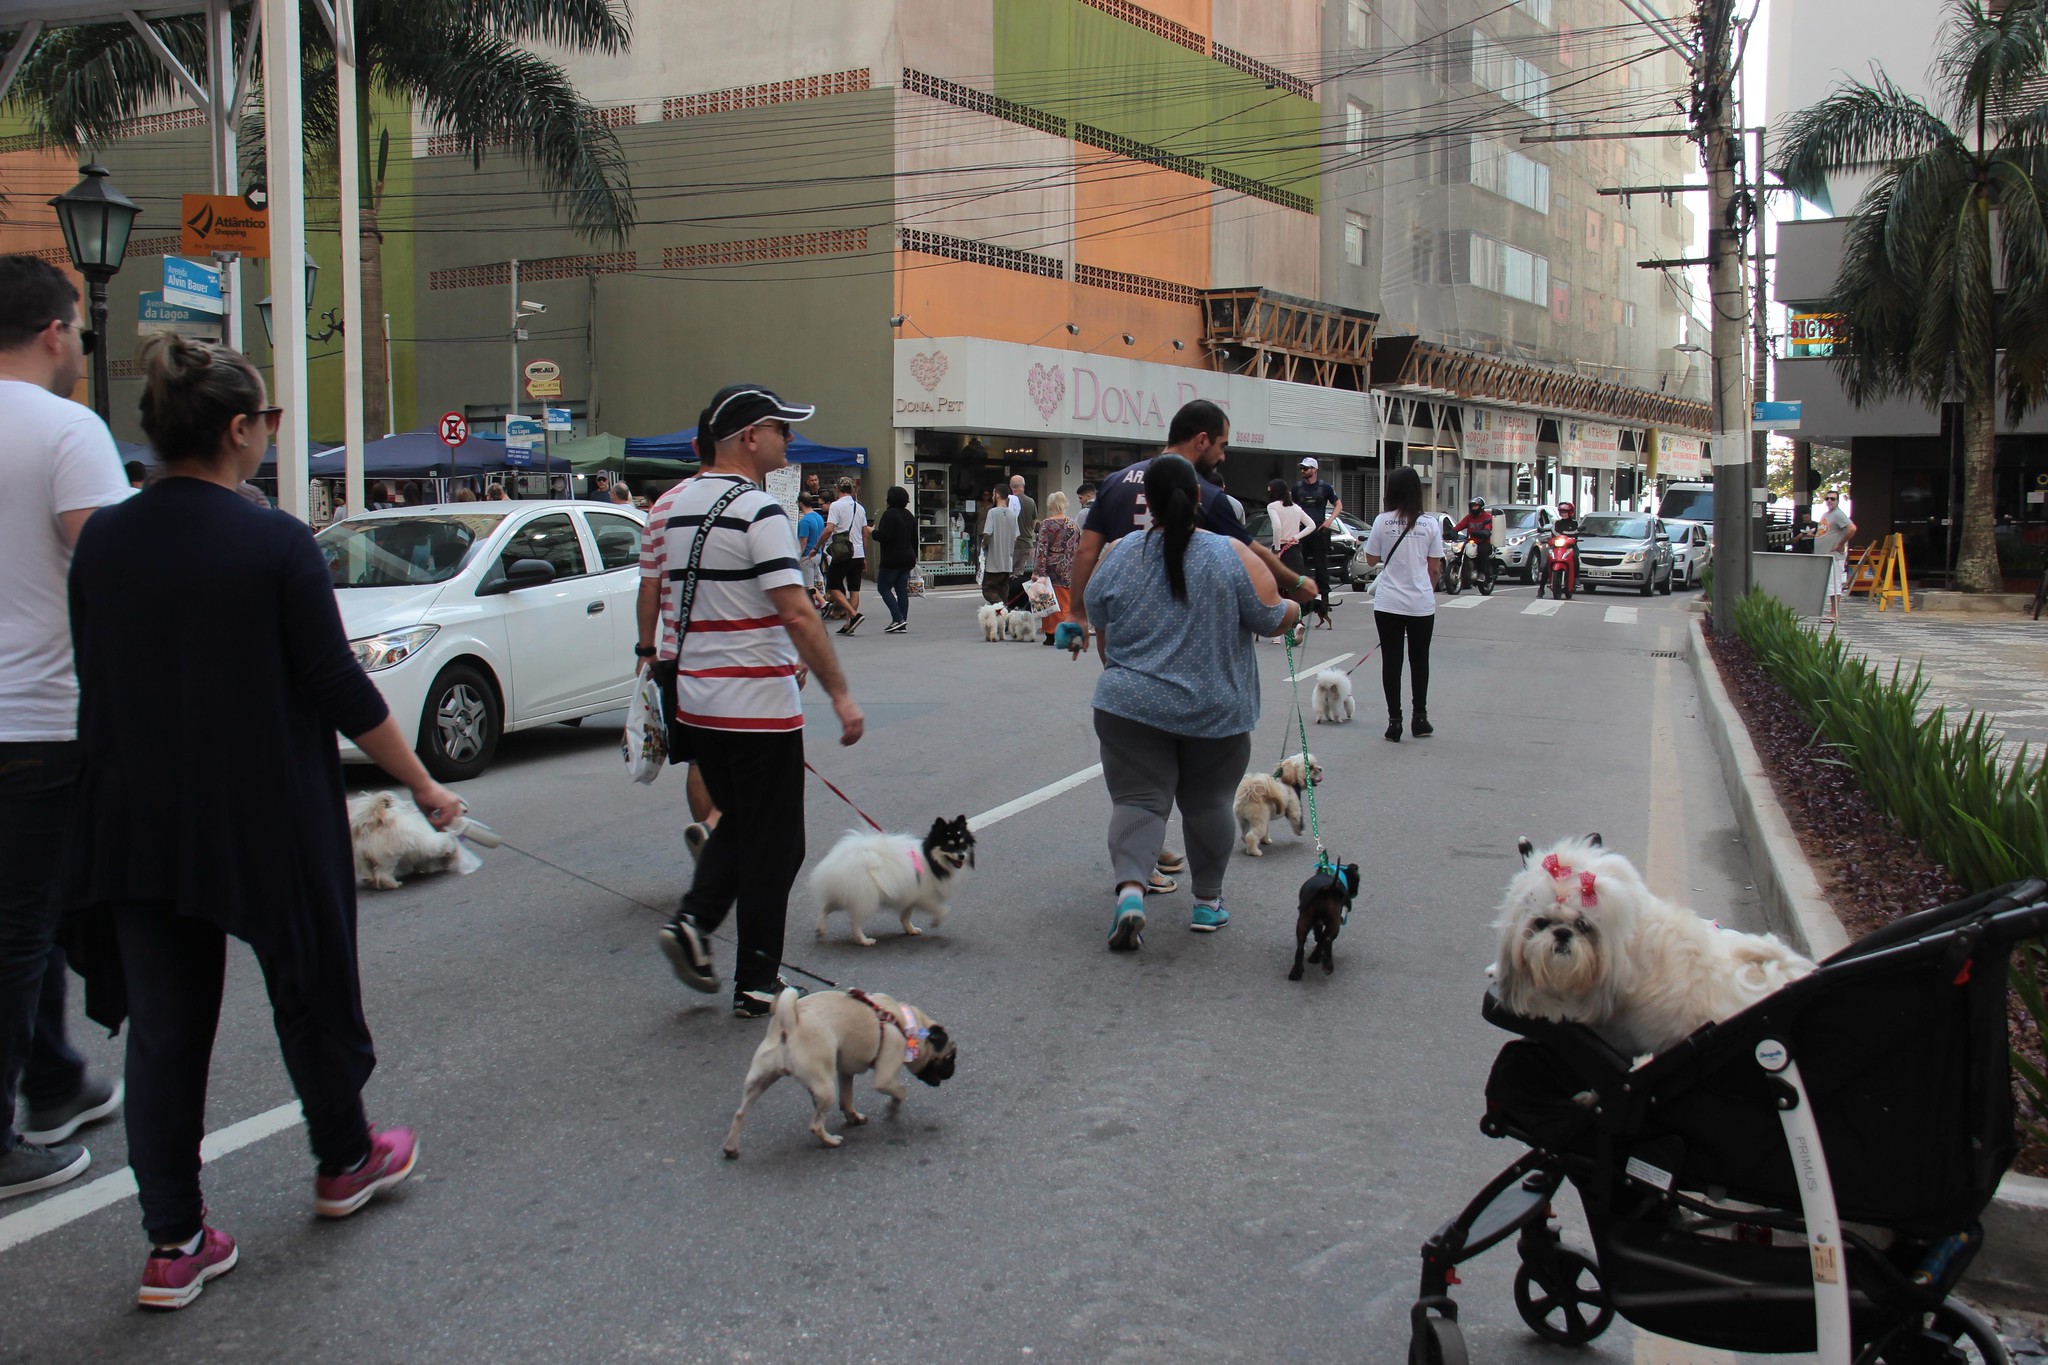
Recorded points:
(679, 447)
(407, 455)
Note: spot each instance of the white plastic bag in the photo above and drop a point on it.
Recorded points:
(916, 585)
(1038, 592)
(645, 745)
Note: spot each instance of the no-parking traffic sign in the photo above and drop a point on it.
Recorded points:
(454, 429)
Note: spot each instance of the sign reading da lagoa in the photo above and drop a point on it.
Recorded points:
(154, 316)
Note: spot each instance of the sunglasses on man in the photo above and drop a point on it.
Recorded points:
(88, 339)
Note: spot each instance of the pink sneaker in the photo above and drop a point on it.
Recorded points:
(172, 1279)
(392, 1154)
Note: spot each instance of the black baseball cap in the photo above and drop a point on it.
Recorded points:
(736, 407)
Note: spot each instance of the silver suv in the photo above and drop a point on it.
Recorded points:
(1524, 526)
(1624, 549)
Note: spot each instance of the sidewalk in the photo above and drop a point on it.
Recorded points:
(1994, 664)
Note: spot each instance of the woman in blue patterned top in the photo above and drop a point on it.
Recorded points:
(1175, 611)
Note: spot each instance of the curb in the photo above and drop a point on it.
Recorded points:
(2012, 1270)
(1795, 907)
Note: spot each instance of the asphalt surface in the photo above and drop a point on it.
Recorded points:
(1169, 1156)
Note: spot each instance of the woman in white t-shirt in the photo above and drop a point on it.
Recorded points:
(1411, 546)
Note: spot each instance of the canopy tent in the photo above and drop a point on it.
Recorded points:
(588, 454)
(408, 455)
(680, 446)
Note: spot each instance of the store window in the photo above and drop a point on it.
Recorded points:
(1355, 230)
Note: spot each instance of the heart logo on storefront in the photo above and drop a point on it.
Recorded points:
(928, 370)
(1046, 387)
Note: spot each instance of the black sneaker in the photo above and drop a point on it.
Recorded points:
(759, 1001)
(95, 1100)
(30, 1167)
(689, 952)
(853, 623)
(896, 628)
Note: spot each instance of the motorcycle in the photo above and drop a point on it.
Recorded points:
(1478, 564)
(1563, 569)
(1447, 580)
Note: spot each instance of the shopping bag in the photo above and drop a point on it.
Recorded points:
(645, 745)
(1038, 591)
(916, 585)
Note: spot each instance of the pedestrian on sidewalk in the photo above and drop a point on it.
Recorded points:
(1411, 545)
(211, 804)
(58, 467)
(1833, 534)
(846, 551)
(810, 540)
(895, 540)
(1177, 609)
(1320, 502)
(998, 545)
(746, 628)
(1058, 538)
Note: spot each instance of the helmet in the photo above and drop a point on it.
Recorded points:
(1565, 509)
(1477, 504)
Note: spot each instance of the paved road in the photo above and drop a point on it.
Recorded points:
(1176, 1155)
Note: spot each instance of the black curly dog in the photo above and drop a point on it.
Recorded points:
(1325, 901)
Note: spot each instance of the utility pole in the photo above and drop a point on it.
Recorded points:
(1760, 346)
(1714, 121)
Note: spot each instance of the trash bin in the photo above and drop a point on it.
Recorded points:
(1799, 581)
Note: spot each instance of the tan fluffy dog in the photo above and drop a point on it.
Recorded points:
(825, 1040)
(1263, 796)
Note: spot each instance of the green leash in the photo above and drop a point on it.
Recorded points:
(1323, 863)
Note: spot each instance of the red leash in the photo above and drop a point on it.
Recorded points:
(844, 797)
(1361, 661)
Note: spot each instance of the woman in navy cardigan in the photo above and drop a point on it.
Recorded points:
(213, 674)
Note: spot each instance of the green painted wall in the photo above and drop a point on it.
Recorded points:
(1069, 59)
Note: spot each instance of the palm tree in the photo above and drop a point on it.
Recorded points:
(1944, 273)
(461, 63)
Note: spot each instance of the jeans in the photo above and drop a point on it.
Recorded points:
(751, 860)
(37, 780)
(1315, 549)
(1408, 635)
(1149, 771)
(894, 585)
(175, 967)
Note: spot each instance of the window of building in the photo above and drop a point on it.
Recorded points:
(1356, 119)
(1561, 302)
(1593, 230)
(1628, 315)
(1355, 230)
(1539, 10)
(1501, 170)
(1513, 78)
(1358, 23)
(1500, 267)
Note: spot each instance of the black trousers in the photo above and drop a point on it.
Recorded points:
(36, 784)
(1315, 550)
(1404, 636)
(752, 857)
(175, 967)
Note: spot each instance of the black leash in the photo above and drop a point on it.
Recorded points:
(635, 900)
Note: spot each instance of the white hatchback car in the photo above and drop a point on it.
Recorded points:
(478, 618)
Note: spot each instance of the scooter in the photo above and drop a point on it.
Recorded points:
(1563, 549)
(1478, 564)
(1449, 581)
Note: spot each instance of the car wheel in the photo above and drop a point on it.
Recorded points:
(460, 724)
(1666, 589)
(1649, 583)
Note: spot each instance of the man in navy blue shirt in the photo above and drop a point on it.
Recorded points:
(1200, 433)
(1322, 504)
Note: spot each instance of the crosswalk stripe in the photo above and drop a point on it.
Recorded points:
(1621, 616)
(1542, 608)
(1467, 602)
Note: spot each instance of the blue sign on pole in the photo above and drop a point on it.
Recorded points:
(1776, 417)
(192, 284)
(558, 419)
(518, 459)
(153, 315)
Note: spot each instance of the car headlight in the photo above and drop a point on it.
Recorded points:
(1517, 540)
(378, 652)
(1632, 557)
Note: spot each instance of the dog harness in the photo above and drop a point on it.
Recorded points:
(913, 1033)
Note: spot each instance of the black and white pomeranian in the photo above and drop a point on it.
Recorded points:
(866, 873)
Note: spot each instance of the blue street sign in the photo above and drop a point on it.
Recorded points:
(192, 284)
(1776, 417)
(557, 419)
(522, 433)
(153, 315)
(518, 459)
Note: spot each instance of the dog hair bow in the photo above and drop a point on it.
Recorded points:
(1561, 871)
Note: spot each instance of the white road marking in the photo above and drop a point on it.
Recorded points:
(75, 1203)
(1310, 670)
(1620, 616)
(980, 822)
(1467, 602)
(1541, 607)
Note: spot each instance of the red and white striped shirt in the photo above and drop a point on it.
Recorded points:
(737, 669)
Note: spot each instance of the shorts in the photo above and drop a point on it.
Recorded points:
(1838, 575)
(813, 571)
(844, 575)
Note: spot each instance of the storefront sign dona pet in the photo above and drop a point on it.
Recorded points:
(975, 384)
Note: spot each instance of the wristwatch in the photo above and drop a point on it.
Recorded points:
(643, 651)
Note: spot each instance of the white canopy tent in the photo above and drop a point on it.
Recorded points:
(225, 85)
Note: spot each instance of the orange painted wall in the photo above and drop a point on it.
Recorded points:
(1137, 218)
(956, 298)
(1192, 14)
(32, 178)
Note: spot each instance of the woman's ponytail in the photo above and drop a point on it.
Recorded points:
(1173, 493)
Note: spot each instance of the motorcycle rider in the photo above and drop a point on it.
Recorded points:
(1567, 524)
(1478, 524)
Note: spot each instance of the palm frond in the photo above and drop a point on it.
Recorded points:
(490, 93)
(1985, 59)
(600, 26)
(1857, 125)
(2023, 307)
(81, 84)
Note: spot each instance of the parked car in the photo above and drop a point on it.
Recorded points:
(476, 619)
(1692, 549)
(1624, 549)
(1346, 564)
(1523, 527)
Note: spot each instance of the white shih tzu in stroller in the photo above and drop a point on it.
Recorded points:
(1583, 940)
(393, 840)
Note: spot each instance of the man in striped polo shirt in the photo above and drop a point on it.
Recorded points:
(737, 697)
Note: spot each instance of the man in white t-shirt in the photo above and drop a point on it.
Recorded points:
(58, 465)
(846, 517)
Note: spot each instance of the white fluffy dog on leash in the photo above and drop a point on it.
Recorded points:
(1583, 940)
(393, 840)
(865, 874)
(1333, 697)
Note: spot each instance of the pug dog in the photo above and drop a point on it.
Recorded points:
(827, 1039)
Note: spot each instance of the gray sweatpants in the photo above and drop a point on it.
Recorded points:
(1148, 772)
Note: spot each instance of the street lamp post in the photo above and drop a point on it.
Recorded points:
(334, 323)
(96, 219)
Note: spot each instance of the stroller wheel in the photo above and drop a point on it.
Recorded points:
(1953, 1334)
(1437, 1342)
(1570, 1307)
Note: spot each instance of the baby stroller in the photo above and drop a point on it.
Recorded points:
(1806, 1176)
